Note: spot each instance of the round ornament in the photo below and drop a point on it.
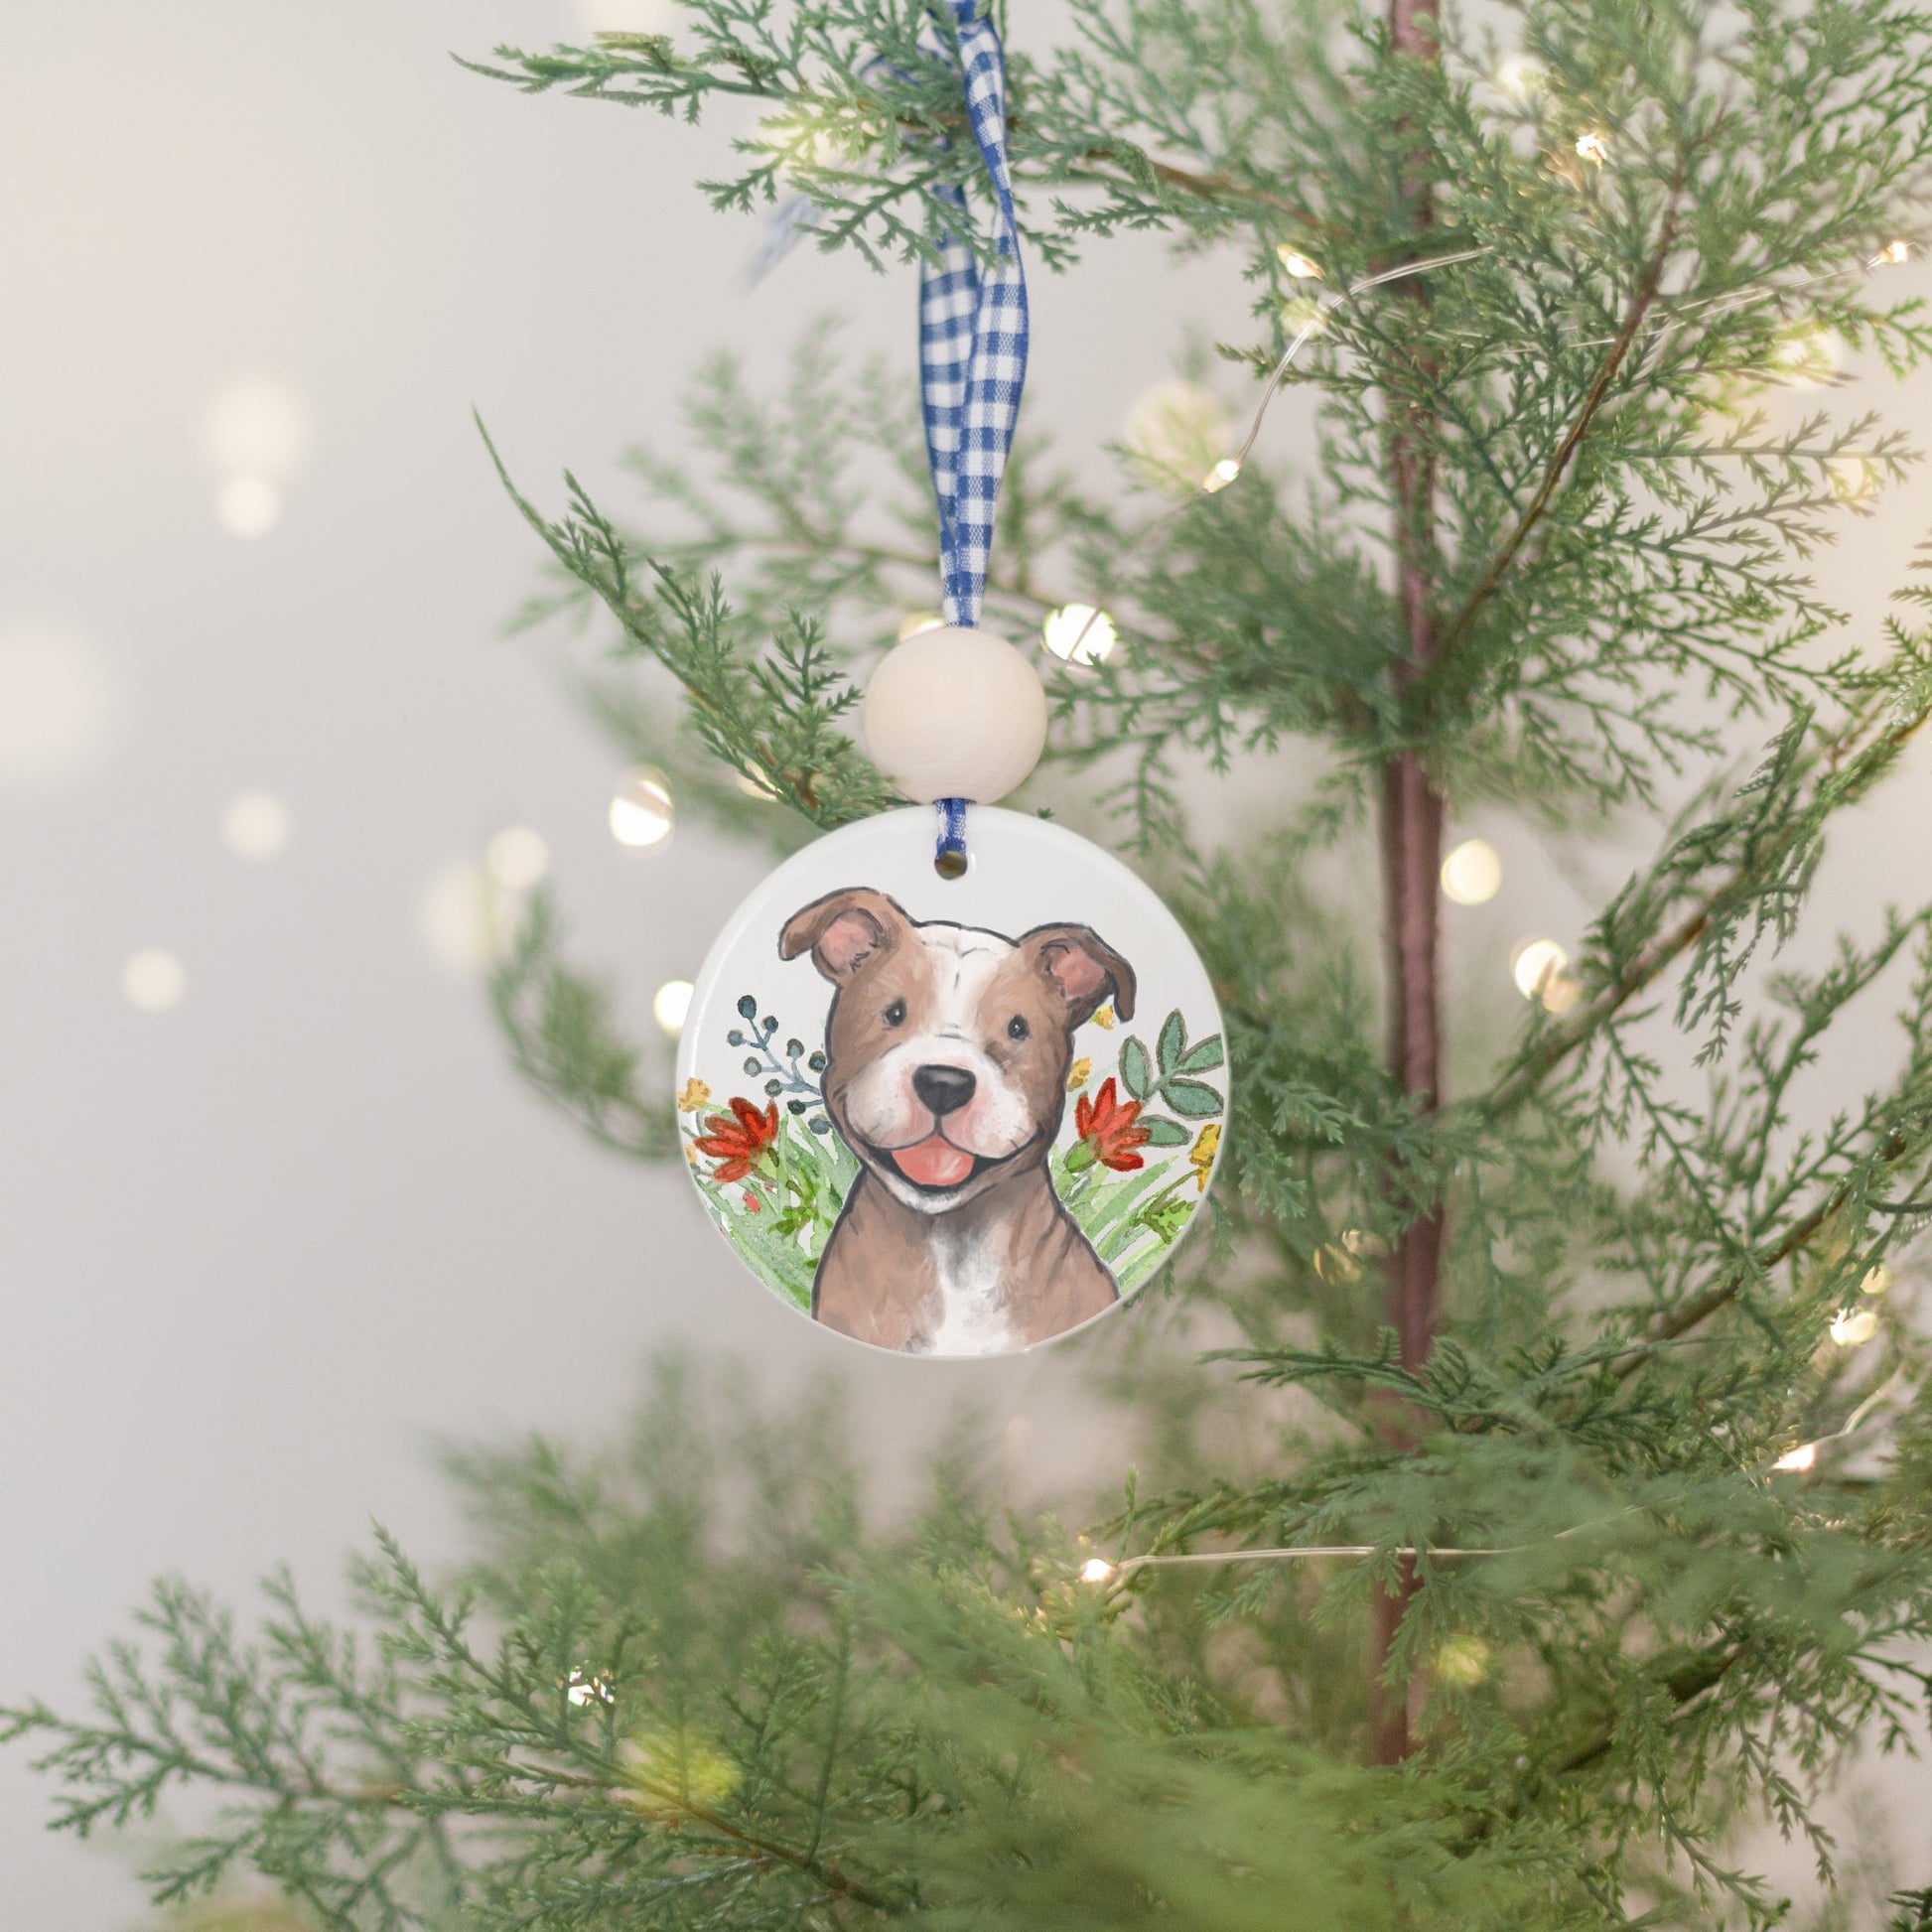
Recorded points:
(952, 1116)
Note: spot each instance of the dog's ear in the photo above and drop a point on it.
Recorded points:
(843, 930)
(1084, 968)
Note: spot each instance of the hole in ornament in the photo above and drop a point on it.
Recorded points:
(951, 865)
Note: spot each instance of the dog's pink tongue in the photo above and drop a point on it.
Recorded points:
(934, 1162)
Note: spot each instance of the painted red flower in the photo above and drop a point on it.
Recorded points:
(736, 1139)
(1108, 1125)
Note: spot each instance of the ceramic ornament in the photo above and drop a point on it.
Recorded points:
(955, 1097)
(952, 1116)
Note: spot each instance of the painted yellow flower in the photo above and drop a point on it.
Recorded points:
(1076, 1076)
(693, 1095)
(1201, 1157)
(691, 1153)
(1104, 1017)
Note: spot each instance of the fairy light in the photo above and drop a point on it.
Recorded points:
(1891, 255)
(1876, 1280)
(670, 1006)
(1297, 265)
(1804, 1456)
(1472, 872)
(1533, 963)
(1807, 355)
(1079, 633)
(153, 980)
(255, 825)
(516, 859)
(585, 1688)
(1560, 991)
(1594, 148)
(1097, 1569)
(1854, 1328)
(1520, 76)
(641, 813)
(1222, 474)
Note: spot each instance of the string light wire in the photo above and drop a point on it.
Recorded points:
(1228, 468)
(1099, 1570)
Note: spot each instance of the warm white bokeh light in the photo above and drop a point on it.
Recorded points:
(1096, 1569)
(63, 710)
(1807, 356)
(1521, 75)
(1535, 964)
(452, 917)
(256, 426)
(1079, 634)
(641, 808)
(256, 825)
(153, 980)
(1594, 148)
(248, 506)
(1472, 872)
(671, 1004)
(1798, 1459)
(516, 858)
(1295, 263)
(1854, 1328)
(1876, 1280)
(1173, 433)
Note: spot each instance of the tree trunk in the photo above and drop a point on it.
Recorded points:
(1411, 833)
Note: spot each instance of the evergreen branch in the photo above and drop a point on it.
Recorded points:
(1642, 298)
(564, 1039)
(1845, 767)
(773, 719)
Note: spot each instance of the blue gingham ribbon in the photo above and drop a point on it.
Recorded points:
(973, 338)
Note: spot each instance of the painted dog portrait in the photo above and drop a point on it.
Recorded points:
(947, 1056)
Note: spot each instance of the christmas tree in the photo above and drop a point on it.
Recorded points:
(1598, 1533)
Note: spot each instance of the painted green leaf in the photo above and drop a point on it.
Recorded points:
(1202, 1058)
(1190, 1099)
(1171, 1215)
(1102, 1210)
(1166, 1218)
(1174, 1038)
(1134, 1073)
(1164, 1133)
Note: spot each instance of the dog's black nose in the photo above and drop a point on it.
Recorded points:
(945, 1089)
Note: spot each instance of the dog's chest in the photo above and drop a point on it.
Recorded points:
(969, 1270)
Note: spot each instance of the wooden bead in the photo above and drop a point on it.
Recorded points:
(955, 713)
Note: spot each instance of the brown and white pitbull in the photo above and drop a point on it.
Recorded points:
(947, 1056)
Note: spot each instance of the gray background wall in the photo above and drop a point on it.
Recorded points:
(256, 1251)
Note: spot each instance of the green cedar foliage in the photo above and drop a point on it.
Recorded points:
(785, 1717)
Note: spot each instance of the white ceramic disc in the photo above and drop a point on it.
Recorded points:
(952, 1117)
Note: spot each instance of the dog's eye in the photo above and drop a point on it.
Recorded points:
(895, 1013)
(1016, 1028)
